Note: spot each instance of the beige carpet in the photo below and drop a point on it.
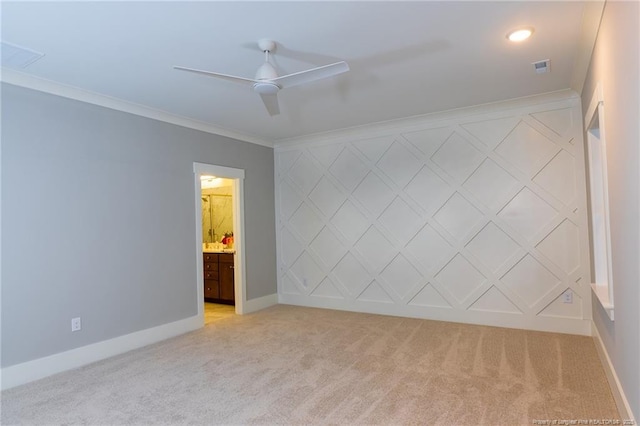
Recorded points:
(292, 365)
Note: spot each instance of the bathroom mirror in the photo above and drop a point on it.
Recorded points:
(217, 209)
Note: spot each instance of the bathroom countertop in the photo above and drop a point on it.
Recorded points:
(219, 251)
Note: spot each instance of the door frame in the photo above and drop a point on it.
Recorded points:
(237, 176)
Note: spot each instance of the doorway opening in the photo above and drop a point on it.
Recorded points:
(219, 196)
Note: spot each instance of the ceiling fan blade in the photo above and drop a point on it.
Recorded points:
(271, 103)
(311, 75)
(233, 78)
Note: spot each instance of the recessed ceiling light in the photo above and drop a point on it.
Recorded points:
(520, 34)
(207, 177)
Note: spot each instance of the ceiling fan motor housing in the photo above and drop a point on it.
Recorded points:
(265, 74)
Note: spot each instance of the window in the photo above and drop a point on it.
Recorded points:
(602, 284)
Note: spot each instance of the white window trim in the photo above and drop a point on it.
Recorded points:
(602, 286)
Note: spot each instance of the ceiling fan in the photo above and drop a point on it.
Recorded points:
(267, 83)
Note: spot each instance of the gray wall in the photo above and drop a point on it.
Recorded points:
(98, 221)
(615, 65)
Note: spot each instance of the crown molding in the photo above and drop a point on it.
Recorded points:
(20, 79)
(388, 127)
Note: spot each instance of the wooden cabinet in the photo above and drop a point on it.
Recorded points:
(219, 278)
(227, 291)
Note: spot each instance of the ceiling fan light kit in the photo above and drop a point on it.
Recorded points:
(266, 88)
(267, 83)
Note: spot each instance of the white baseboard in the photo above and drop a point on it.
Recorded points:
(624, 408)
(30, 371)
(260, 303)
(494, 319)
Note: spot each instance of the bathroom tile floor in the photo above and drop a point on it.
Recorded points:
(214, 312)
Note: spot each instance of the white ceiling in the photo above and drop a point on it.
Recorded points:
(406, 59)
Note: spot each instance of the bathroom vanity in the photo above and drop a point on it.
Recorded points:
(219, 277)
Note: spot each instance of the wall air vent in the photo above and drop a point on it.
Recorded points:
(542, 66)
(18, 57)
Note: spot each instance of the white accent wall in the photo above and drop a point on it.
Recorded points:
(473, 216)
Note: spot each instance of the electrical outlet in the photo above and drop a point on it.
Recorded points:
(567, 296)
(76, 325)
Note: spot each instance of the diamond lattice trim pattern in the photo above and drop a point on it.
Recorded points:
(479, 216)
